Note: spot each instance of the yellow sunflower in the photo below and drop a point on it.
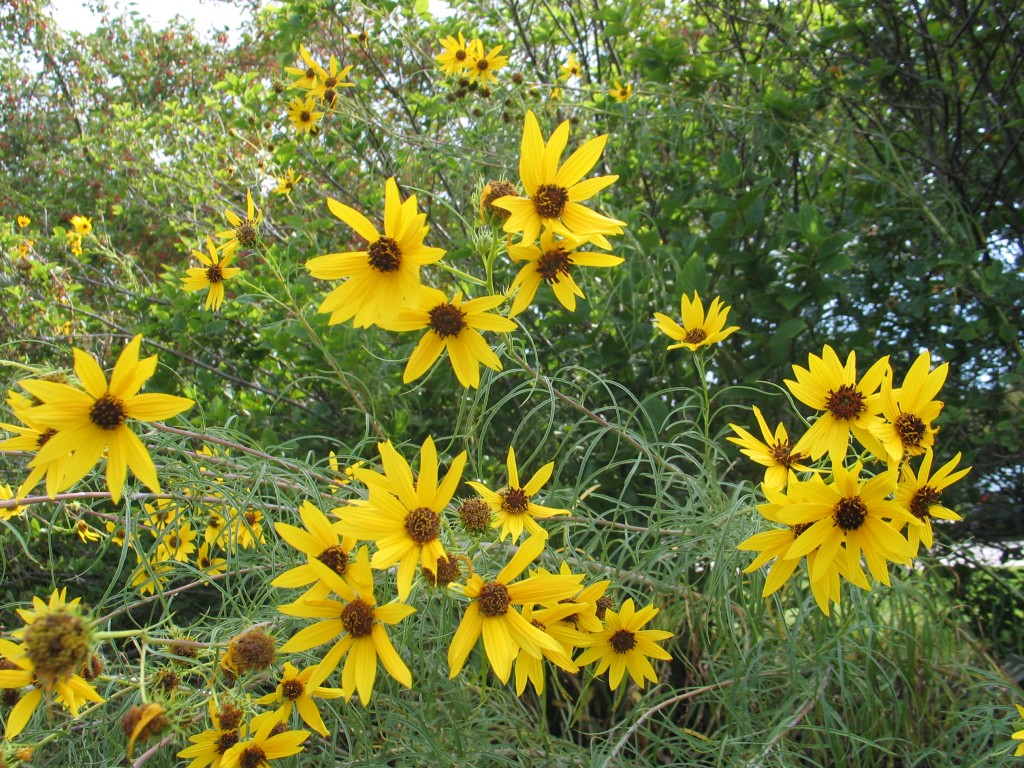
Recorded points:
(910, 410)
(56, 641)
(20, 672)
(623, 646)
(208, 747)
(921, 494)
(552, 263)
(265, 745)
(7, 512)
(245, 233)
(212, 274)
(570, 69)
(774, 453)
(307, 74)
(286, 183)
(456, 55)
(699, 329)
(513, 508)
(357, 626)
(329, 81)
(322, 541)
(82, 224)
(403, 518)
(91, 421)
(847, 518)
(492, 614)
(453, 326)
(621, 92)
(481, 67)
(298, 689)
(554, 194)
(303, 114)
(846, 404)
(386, 276)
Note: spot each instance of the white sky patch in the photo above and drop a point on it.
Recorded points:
(209, 16)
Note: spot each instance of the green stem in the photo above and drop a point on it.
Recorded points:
(291, 308)
(698, 362)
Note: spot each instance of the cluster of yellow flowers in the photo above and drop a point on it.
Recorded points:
(521, 620)
(172, 526)
(404, 516)
(244, 233)
(80, 227)
(382, 286)
(837, 515)
(319, 87)
(467, 59)
(26, 244)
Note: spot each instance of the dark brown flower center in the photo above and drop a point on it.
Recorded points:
(781, 454)
(572, 618)
(214, 274)
(514, 501)
(335, 558)
(494, 599)
(311, 73)
(423, 525)
(330, 96)
(846, 403)
(252, 756)
(385, 255)
(292, 689)
(446, 320)
(923, 500)
(447, 571)
(799, 528)
(460, 55)
(696, 335)
(622, 641)
(305, 116)
(357, 618)
(229, 718)
(911, 429)
(554, 263)
(603, 603)
(483, 65)
(330, 82)
(226, 741)
(849, 513)
(107, 412)
(45, 436)
(550, 200)
(495, 190)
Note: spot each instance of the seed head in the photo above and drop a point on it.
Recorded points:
(252, 650)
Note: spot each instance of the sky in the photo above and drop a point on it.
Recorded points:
(208, 14)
